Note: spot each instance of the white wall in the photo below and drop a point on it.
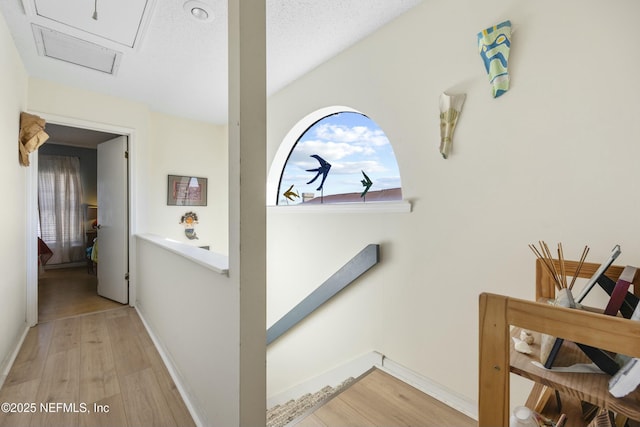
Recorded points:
(191, 310)
(83, 106)
(13, 86)
(162, 145)
(555, 159)
(187, 147)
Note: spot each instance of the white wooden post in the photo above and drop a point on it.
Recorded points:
(247, 198)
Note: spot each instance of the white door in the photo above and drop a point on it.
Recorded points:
(113, 224)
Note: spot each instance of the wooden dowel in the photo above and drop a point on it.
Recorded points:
(550, 259)
(563, 271)
(547, 262)
(585, 251)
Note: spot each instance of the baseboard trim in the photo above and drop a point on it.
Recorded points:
(437, 391)
(334, 377)
(8, 362)
(197, 416)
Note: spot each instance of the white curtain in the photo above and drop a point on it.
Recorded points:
(60, 205)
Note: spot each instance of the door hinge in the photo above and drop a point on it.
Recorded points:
(126, 154)
(126, 276)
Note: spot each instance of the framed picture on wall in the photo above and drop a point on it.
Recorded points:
(186, 191)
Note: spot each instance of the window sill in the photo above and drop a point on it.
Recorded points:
(211, 260)
(402, 206)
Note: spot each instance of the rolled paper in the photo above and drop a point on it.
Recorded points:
(450, 108)
(494, 44)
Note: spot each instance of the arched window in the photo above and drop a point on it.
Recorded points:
(339, 156)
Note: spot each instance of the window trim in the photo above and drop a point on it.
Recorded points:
(282, 155)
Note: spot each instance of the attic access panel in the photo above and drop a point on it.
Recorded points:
(119, 21)
(76, 51)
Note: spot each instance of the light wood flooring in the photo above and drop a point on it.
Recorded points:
(66, 292)
(95, 362)
(380, 399)
(106, 360)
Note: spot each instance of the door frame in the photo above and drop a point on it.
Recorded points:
(32, 207)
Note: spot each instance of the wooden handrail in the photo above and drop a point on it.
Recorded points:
(354, 268)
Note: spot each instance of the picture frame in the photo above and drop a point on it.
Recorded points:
(186, 191)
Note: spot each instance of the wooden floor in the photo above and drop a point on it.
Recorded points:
(71, 371)
(66, 292)
(102, 369)
(380, 399)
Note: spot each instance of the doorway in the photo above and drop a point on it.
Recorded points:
(75, 280)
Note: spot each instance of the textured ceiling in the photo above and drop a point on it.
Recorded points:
(179, 66)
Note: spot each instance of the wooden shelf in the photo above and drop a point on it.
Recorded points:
(592, 388)
(497, 359)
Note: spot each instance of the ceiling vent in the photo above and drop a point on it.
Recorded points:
(63, 47)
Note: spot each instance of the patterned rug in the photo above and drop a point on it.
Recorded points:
(281, 415)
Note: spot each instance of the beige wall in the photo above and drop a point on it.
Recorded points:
(13, 86)
(187, 147)
(555, 159)
(162, 145)
(193, 312)
(12, 253)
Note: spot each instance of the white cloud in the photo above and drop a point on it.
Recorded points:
(368, 166)
(360, 135)
(388, 182)
(330, 151)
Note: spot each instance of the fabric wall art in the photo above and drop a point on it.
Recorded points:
(494, 44)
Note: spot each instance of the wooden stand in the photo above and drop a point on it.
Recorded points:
(497, 359)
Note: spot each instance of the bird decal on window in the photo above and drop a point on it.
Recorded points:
(290, 194)
(322, 170)
(366, 183)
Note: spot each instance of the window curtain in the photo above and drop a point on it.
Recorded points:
(60, 206)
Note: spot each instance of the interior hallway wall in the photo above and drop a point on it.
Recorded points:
(13, 86)
(191, 148)
(162, 145)
(553, 159)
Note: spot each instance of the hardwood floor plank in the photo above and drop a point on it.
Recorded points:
(108, 412)
(380, 399)
(98, 379)
(105, 358)
(138, 327)
(66, 335)
(410, 406)
(128, 353)
(59, 385)
(312, 421)
(169, 390)
(69, 292)
(144, 404)
(20, 393)
(338, 412)
(31, 358)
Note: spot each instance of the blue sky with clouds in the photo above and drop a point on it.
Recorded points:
(351, 143)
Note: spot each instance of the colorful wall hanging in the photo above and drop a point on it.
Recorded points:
(494, 44)
(189, 220)
(450, 108)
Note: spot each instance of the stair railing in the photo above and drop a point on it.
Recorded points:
(347, 274)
